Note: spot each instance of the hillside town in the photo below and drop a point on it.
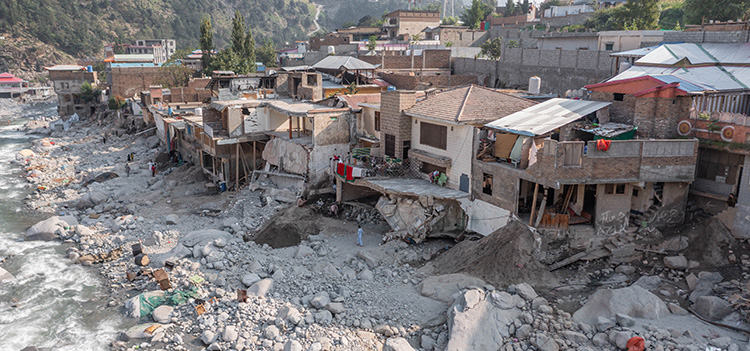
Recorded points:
(406, 184)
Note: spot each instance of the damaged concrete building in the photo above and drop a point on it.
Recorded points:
(694, 90)
(562, 165)
(424, 174)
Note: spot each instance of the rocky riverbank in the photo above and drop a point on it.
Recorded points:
(321, 291)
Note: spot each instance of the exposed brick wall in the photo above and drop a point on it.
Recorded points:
(188, 94)
(504, 184)
(619, 111)
(393, 121)
(127, 82)
(658, 117)
(409, 82)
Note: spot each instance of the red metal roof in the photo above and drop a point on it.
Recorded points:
(9, 78)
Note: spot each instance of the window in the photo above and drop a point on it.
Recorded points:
(609, 46)
(312, 80)
(390, 145)
(609, 189)
(619, 97)
(620, 190)
(433, 135)
(487, 184)
(377, 121)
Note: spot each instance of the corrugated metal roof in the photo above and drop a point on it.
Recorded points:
(337, 62)
(65, 68)
(684, 85)
(635, 53)
(547, 116)
(704, 53)
(708, 78)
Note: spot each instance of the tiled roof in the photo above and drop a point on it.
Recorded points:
(469, 104)
(354, 100)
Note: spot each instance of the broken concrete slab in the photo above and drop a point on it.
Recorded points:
(633, 301)
(443, 287)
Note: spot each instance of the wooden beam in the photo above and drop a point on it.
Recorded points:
(533, 204)
(254, 160)
(290, 127)
(542, 206)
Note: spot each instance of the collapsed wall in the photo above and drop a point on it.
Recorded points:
(420, 218)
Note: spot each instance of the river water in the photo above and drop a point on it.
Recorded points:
(51, 302)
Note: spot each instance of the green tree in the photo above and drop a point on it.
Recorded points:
(643, 14)
(238, 32)
(267, 53)
(247, 57)
(206, 41)
(174, 75)
(117, 103)
(549, 3)
(510, 8)
(450, 20)
(672, 14)
(372, 43)
(90, 93)
(492, 48)
(226, 60)
(473, 15)
(696, 11)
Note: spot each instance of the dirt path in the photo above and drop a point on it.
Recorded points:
(317, 15)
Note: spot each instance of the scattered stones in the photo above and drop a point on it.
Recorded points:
(163, 314)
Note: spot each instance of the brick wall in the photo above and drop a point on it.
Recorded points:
(730, 36)
(188, 94)
(658, 117)
(505, 183)
(410, 82)
(317, 42)
(129, 81)
(393, 121)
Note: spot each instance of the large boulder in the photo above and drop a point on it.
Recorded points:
(5, 275)
(443, 287)
(633, 301)
(152, 142)
(479, 321)
(712, 307)
(49, 228)
(397, 344)
(92, 198)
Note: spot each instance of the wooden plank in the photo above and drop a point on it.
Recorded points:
(533, 204)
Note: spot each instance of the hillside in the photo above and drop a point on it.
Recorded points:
(81, 27)
(336, 12)
(26, 57)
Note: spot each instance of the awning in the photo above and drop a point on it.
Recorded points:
(546, 116)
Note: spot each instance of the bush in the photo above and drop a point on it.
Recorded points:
(117, 103)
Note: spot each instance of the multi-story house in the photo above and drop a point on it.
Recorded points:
(67, 81)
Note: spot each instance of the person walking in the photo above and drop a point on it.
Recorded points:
(127, 169)
(152, 167)
(359, 236)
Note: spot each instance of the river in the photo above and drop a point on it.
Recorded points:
(52, 302)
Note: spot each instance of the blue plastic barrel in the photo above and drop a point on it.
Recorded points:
(89, 68)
